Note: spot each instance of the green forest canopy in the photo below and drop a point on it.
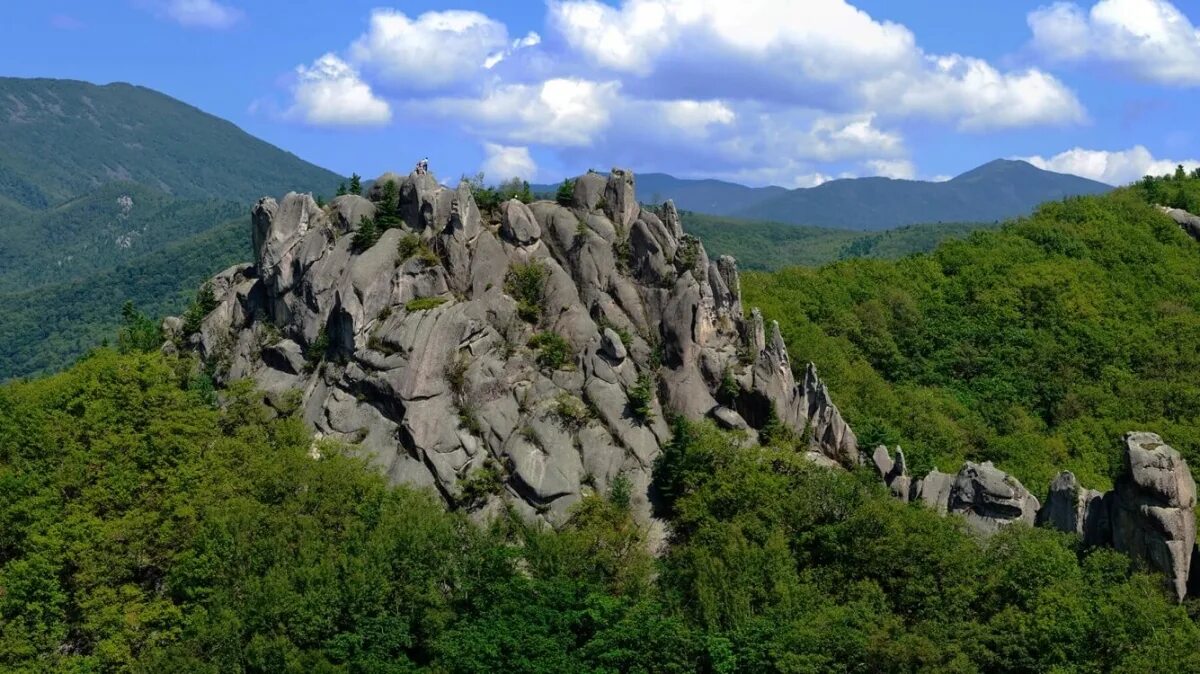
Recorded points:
(1035, 346)
(143, 529)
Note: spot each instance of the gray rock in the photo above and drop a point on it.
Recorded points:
(349, 210)
(728, 419)
(589, 190)
(1187, 222)
(621, 204)
(518, 224)
(1152, 510)
(934, 490)
(990, 498)
(611, 346)
(1073, 509)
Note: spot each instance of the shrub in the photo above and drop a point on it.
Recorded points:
(203, 304)
(424, 303)
(316, 351)
(554, 351)
(412, 244)
(138, 333)
(387, 213)
(571, 412)
(526, 283)
(565, 195)
(365, 236)
(641, 398)
(477, 486)
(356, 184)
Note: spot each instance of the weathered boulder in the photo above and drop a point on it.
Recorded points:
(933, 490)
(348, 211)
(990, 498)
(894, 473)
(1152, 510)
(589, 190)
(1073, 509)
(517, 223)
(621, 204)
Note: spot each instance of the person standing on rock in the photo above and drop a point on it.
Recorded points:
(423, 166)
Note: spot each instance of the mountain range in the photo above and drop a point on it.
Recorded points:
(997, 190)
(118, 192)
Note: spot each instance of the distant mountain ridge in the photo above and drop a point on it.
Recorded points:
(998, 190)
(101, 184)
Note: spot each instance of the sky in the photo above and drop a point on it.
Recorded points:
(784, 92)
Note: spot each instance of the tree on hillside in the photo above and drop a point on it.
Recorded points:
(356, 184)
(366, 235)
(387, 213)
(341, 190)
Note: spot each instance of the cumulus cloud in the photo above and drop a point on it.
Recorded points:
(1112, 167)
(559, 112)
(505, 161)
(330, 92)
(201, 13)
(434, 50)
(1151, 39)
(818, 53)
(893, 168)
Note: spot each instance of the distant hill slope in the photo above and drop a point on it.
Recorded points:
(117, 192)
(62, 138)
(768, 246)
(996, 191)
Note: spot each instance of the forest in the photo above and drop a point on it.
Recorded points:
(149, 523)
(145, 529)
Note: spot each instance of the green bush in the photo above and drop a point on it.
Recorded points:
(423, 303)
(565, 195)
(526, 283)
(203, 305)
(365, 236)
(641, 398)
(554, 351)
(571, 411)
(316, 351)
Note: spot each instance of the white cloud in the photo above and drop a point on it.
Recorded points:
(559, 112)
(1114, 168)
(817, 53)
(202, 13)
(330, 92)
(977, 95)
(694, 118)
(504, 161)
(893, 168)
(1152, 39)
(436, 50)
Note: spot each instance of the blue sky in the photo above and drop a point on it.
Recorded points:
(759, 91)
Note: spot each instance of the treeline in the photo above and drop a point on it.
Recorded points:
(144, 529)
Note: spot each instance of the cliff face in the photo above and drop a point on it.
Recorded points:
(524, 355)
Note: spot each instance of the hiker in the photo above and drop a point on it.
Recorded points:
(423, 166)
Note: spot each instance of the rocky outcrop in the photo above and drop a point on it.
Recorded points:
(1152, 508)
(1187, 222)
(1071, 508)
(528, 355)
(523, 356)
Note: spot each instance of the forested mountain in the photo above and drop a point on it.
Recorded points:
(998, 190)
(62, 139)
(105, 182)
(1030, 346)
(767, 246)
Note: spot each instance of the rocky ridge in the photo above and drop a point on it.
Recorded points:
(522, 356)
(525, 356)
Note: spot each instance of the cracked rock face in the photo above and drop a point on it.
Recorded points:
(522, 356)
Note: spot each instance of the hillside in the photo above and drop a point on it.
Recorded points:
(471, 365)
(768, 246)
(45, 329)
(100, 184)
(61, 139)
(1029, 346)
(998, 190)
